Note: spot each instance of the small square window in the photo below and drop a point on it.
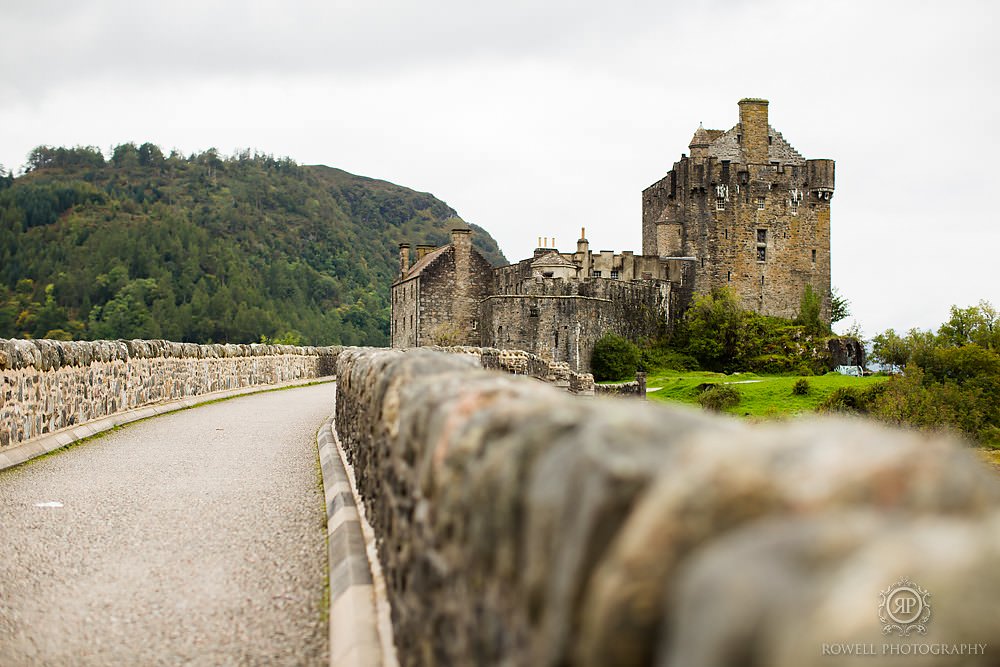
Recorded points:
(533, 311)
(760, 203)
(596, 274)
(614, 274)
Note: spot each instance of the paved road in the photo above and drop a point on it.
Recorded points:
(194, 538)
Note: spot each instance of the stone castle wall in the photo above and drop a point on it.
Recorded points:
(51, 385)
(561, 320)
(519, 525)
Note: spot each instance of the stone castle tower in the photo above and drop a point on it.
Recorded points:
(752, 212)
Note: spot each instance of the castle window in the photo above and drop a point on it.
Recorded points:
(720, 203)
(614, 274)
(762, 254)
(596, 274)
(760, 203)
(729, 276)
(533, 311)
(814, 256)
(725, 170)
(547, 274)
(795, 207)
(739, 138)
(775, 166)
(761, 236)
(727, 234)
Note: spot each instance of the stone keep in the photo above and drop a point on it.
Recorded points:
(751, 210)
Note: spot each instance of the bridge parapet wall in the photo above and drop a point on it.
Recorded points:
(51, 385)
(520, 525)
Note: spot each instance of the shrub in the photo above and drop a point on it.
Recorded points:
(663, 358)
(801, 387)
(614, 358)
(719, 397)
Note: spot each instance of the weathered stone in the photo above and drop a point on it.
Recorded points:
(775, 593)
(804, 468)
(50, 385)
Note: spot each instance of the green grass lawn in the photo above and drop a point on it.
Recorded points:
(762, 395)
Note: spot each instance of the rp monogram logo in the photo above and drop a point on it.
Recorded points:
(903, 608)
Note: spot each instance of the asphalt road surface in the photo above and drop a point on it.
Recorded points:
(195, 538)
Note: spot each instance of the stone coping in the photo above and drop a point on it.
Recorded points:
(63, 438)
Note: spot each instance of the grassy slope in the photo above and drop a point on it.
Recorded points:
(763, 395)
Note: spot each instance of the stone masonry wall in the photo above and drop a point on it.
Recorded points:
(50, 385)
(519, 525)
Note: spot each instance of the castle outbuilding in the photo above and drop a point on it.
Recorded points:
(745, 211)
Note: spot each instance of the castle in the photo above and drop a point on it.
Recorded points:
(745, 211)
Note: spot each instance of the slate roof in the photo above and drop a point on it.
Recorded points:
(425, 261)
(552, 259)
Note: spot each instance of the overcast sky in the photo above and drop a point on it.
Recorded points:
(539, 118)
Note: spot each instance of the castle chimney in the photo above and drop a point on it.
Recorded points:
(539, 242)
(404, 259)
(423, 249)
(464, 308)
(582, 256)
(755, 135)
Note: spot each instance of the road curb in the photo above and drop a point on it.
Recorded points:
(357, 639)
(64, 437)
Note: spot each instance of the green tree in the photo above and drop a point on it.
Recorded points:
(719, 333)
(890, 349)
(614, 358)
(839, 306)
(809, 312)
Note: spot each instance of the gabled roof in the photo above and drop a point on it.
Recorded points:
(725, 146)
(552, 259)
(703, 137)
(425, 261)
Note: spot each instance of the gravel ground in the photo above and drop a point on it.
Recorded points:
(195, 538)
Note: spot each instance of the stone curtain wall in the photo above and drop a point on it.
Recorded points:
(50, 385)
(520, 525)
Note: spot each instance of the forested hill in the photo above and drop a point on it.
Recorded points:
(205, 248)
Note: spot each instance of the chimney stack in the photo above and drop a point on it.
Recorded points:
(755, 135)
(404, 259)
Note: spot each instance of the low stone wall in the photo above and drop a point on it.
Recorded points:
(636, 388)
(51, 385)
(520, 525)
(519, 362)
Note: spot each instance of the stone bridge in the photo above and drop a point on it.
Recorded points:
(475, 515)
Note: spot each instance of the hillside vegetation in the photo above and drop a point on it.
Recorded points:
(205, 248)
